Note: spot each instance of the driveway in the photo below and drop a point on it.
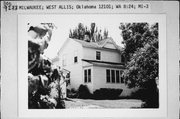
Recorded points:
(101, 104)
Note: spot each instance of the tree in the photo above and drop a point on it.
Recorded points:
(132, 34)
(43, 79)
(94, 34)
(142, 66)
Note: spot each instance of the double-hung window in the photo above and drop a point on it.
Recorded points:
(114, 76)
(108, 76)
(75, 57)
(117, 76)
(98, 55)
(87, 75)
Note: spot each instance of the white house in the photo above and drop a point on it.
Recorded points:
(95, 64)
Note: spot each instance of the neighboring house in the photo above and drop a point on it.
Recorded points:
(97, 65)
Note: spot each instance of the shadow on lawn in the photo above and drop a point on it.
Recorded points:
(148, 97)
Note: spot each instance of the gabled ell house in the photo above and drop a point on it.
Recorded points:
(95, 64)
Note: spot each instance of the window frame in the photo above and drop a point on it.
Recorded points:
(116, 79)
(118, 76)
(108, 77)
(113, 77)
(98, 55)
(87, 75)
(75, 57)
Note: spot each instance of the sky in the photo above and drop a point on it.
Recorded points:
(65, 22)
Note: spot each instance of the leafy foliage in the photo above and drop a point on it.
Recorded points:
(136, 35)
(94, 34)
(107, 93)
(142, 62)
(43, 80)
(83, 92)
(141, 51)
(143, 66)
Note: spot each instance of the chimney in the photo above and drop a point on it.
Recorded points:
(87, 37)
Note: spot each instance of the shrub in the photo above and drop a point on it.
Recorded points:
(150, 97)
(83, 92)
(107, 93)
(73, 90)
(71, 93)
(139, 94)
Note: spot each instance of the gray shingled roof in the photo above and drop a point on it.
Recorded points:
(93, 44)
(88, 44)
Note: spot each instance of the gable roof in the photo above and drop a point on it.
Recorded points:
(87, 44)
(106, 64)
(96, 61)
(97, 45)
(101, 44)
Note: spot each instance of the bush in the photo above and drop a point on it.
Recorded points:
(150, 97)
(107, 93)
(139, 94)
(83, 92)
(73, 90)
(71, 93)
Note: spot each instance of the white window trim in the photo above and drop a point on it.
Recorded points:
(87, 75)
(75, 55)
(120, 75)
(97, 53)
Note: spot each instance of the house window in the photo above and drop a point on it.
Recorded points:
(117, 76)
(114, 76)
(75, 57)
(98, 55)
(108, 76)
(87, 75)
